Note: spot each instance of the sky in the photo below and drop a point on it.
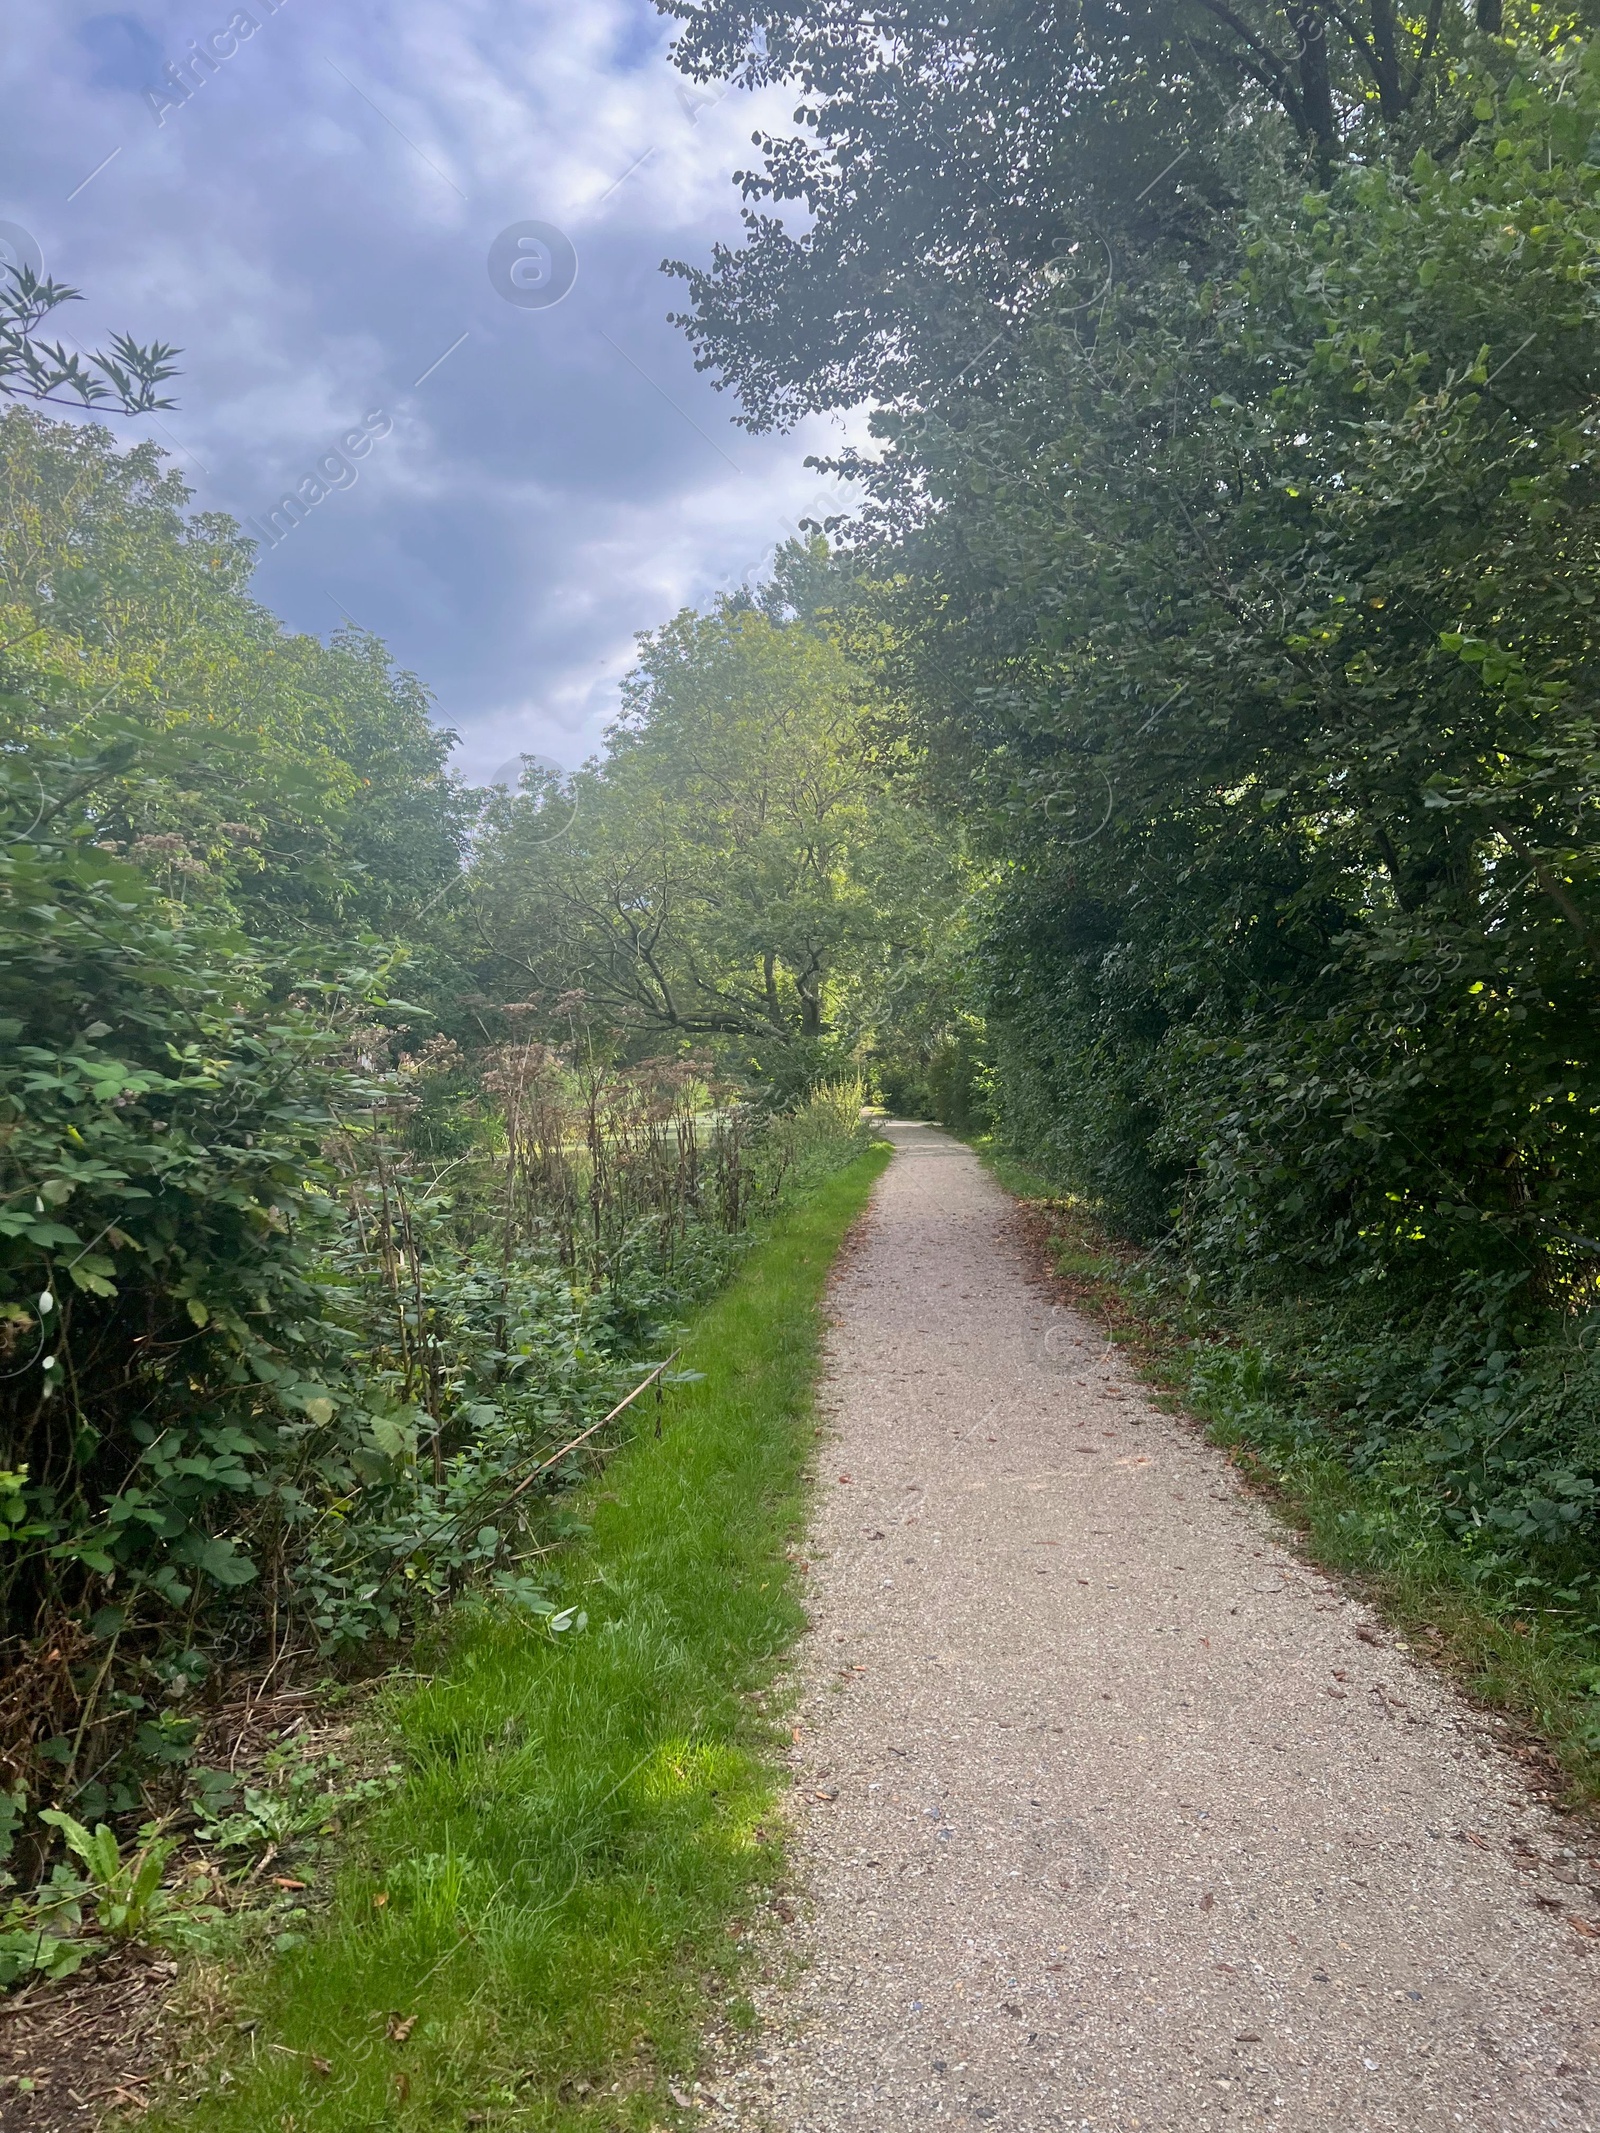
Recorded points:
(435, 226)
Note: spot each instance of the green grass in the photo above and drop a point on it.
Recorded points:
(555, 1893)
(1510, 1657)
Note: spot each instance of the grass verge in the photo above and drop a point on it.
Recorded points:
(1508, 1656)
(539, 1923)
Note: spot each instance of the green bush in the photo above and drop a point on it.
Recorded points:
(163, 1098)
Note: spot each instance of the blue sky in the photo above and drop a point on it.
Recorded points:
(313, 223)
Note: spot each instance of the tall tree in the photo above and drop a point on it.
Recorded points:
(303, 783)
(1261, 627)
(740, 866)
(955, 169)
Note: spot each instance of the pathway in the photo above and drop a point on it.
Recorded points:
(1110, 1812)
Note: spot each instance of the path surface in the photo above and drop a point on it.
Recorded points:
(1107, 1815)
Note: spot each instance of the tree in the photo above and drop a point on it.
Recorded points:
(961, 169)
(742, 865)
(301, 786)
(1260, 627)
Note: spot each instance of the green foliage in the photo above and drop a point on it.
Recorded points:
(125, 375)
(264, 1359)
(1233, 543)
(162, 1101)
(961, 171)
(296, 786)
(128, 1899)
(1287, 673)
(744, 867)
(38, 1938)
(286, 1314)
(1281, 667)
(545, 1904)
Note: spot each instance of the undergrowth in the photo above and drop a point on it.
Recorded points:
(537, 1923)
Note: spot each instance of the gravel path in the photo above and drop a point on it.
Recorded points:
(1110, 1812)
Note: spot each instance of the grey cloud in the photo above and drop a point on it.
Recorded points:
(316, 233)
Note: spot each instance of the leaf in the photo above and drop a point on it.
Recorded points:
(400, 2027)
(395, 1435)
(319, 1410)
(223, 1564)
(197, 1310)
(100, 1852)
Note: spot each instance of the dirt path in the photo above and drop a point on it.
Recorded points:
(1110, 1812)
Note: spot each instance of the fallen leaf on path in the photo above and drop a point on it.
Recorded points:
(1207, 1900)
(320, 2066)
(684, 2103)
(1585, 1926)
(1369, 1636)
(824, 1793)
(400, 2027)
(285, 1881)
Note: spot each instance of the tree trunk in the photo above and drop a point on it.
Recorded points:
(1386, 60)
(1316, 81)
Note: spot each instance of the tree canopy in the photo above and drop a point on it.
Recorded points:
(954, 171)
(743, 864)
(1231, 544)
(304, 782)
